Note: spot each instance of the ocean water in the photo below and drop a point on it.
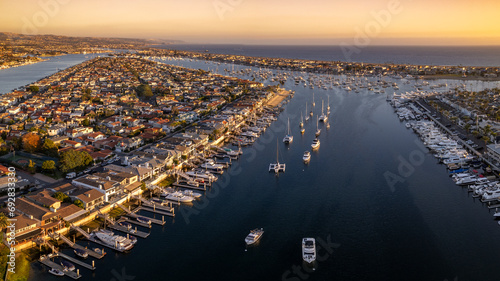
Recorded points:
(15, 77)
(423, 228)
(420, 55)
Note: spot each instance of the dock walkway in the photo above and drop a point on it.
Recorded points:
(76, 246)
(46, 261)
(76, 261)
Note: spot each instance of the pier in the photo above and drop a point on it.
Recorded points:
(130, 231)
(76, 261)
(204, 188)
(157, 211)
(134, 215)
(76, 246)
(45, 260)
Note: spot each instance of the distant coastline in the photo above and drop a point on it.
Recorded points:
(474, 56)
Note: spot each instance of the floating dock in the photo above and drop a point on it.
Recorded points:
(135, 222)
(157, 211)
(47, 262)
(76, 261)
(76, 246)
(204, 188)
(155, 221)
(130, 231)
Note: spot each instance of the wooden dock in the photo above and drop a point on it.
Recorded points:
(76, 246)
(76, 261)
(136, 222)
(155, 221)
(204, 188)
(131, 231)
(47, 262)
(157, 211)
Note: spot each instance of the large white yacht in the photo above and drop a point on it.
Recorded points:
(179, 197)
(254, 236)
(309, 249)
(119, 242)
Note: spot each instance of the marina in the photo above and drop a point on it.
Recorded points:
(351, 185)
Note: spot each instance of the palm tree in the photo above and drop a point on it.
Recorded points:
(3, 221)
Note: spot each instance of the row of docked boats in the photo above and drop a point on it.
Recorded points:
(462, 166)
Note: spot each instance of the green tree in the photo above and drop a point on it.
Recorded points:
(61, 196)
(3, 221)
(79, 203)
(50, 148)
(31, 167)
(144, 90)
(86, 122)
(74, 160)
(49, 165)
(33, 88)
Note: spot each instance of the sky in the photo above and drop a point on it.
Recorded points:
(313, 22)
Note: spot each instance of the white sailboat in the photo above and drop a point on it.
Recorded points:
(301, 124)
(318, 130)
(323, 117)
(307, 117)
(314, 104)
(288, 138)
(277, 167)
(328, 105)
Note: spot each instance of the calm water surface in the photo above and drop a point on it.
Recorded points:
(425, 228)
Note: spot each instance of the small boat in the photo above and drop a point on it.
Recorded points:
(81, 253)
(98, 250)
(143, 220)
(133, 239)
(302, 131)
(309, 250)
(67, 266)
(56, 272)
(125, 224)
(315, 144)
(254, 236)
(328, 125)
(307, 156)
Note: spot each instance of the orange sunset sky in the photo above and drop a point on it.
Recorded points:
(400, 22)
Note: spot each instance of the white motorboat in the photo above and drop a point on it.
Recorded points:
(116, 241)
(315, 144)
(56, 272)
(309, 249)
(179, 197)
(254, 236)
(192, 193)
(307, 156)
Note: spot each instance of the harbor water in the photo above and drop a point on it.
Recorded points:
(367, 225)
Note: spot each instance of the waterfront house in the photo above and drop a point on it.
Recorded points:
(107, 187)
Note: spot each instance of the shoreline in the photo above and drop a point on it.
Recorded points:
(278, 98)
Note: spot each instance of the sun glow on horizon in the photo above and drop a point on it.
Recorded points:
(424, 22)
